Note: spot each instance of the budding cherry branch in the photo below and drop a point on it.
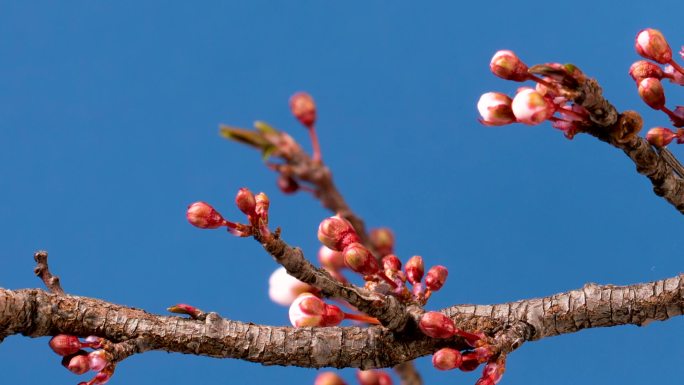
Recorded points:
(392, 327)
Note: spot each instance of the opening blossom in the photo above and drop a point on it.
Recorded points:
(283, 288)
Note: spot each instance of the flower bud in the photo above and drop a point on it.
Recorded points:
(331, 259)
(531, 108)
(660, 136)
(97, 360)
(414, 269)
(506, 65)
(77, 363)
(495, 109)
(469, 362)
(245, 201)
(373, 377)
(436, 325)
(262, 204)
(303, 108)
(446, 359)
(382, 240)
(332, 316)
(336, 233)
(652, 93)
(391, 262)
(64, 344)
(204, 216)
(329, 378)
(358, 258)
(287, 184)
(307, 310)
(651, 44)
(435, 278)
(283, 288)
(643, 69)
(494, 371)
(103, 376)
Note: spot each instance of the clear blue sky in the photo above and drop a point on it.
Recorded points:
(108, 130)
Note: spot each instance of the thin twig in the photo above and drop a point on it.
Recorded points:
(42, 270)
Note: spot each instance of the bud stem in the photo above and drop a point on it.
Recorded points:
(676, 66)
(362, 318)
(673, 117)
(541, 81)
(314, 144)
(387, 279)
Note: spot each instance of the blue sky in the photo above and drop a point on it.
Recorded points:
(108, 130)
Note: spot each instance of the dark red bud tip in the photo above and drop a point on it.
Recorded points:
(414, 269)
(435, 278)
(437, 325)
(469, 362)
(288, 185)
(244, 199)
(359, 259)
(303, 108)
(64, 344)
(336, 233)
(446, 359)
(202, 215)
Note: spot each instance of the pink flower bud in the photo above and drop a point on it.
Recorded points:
(495, 109)
(435, 278)
(643, 69)
(373, 377)
(261, 206)
(414, 269)
(382, 240)
(358, 258)
(336, 233)
(651, 44)
(391, 262)
(303, 108)
(531, 108)
(287, 184)
(103, 376)
(331, 259)
(506, 65)
(494, 371)
(283, 288)
(329, 378)
(77, 363)
(183, 308)
(652, 93)
(245, 201)
(97, 360)
(660, 136)
(446, 359)
(309, 310)
(436, 325)
(204, 216)
(332, 316)
(64, 344)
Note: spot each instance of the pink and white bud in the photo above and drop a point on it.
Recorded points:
(643, 69)
(331, 259)
(97, 360)
(244, 199)
(303, 108)
(652, 93)
(391, 262)
(660, 136)
(359, 259)
(64, 344)
(495, 109)
(329, 378)
(77, 363)
(414, 269)
(283, 288)
(435, 277)
(531, 108)
(382, 240)
(307, 310)
(373, 377)
(202, 215)
(446, 359)
(336, 233)
(437, 325)
(506, 65)
(287, 184)
(651, 44)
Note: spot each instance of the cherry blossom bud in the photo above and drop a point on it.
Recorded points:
(331, 259)
(446, 359)
(495, 109)
(437, 325)
(494, 371)
(283, 288)
(651, 44)
(660, 136)
(329, 378)
(287, 184)
(306, 310)
(64, 344)
(414, 269)
(358, 258)
(183, 308)
(382, 240)
(531, 108)
(469, 362)
(262, 203)
(506, 65)
(435, 277)
(373, 377)
(643, 69)
(103, 376)
(652, 93)
(97, 360)
(77, 363)
(391, 262)
(336, 233)
(204, 216)
(332, 316)
(303, 108)
(245, 201)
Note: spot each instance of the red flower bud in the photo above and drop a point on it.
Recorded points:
(262, 203)
(652, 93)
(414, 269)
(373, 377)
(382, 240)
(204, 216)
(495, 109)
(643, 69)
(358, 258)
(330, 259)
(469, 362)
(288, 185)
(303, 108)
(97, 360)
(336, 233)
(494, 371)
(651, 44)
(245, 201)
(506, 65)
(329, 378)
(437, 325)
(435, 278)
(660, 136)
(64, 344)
(332, 316)
(77, 363)
(446, 359)
(391, 262)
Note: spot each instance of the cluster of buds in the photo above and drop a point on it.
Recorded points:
(533, 106)
(255, 207)
(449, 359)
(365, 377)
(651, 44)
(310, 310)
(79, 361)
